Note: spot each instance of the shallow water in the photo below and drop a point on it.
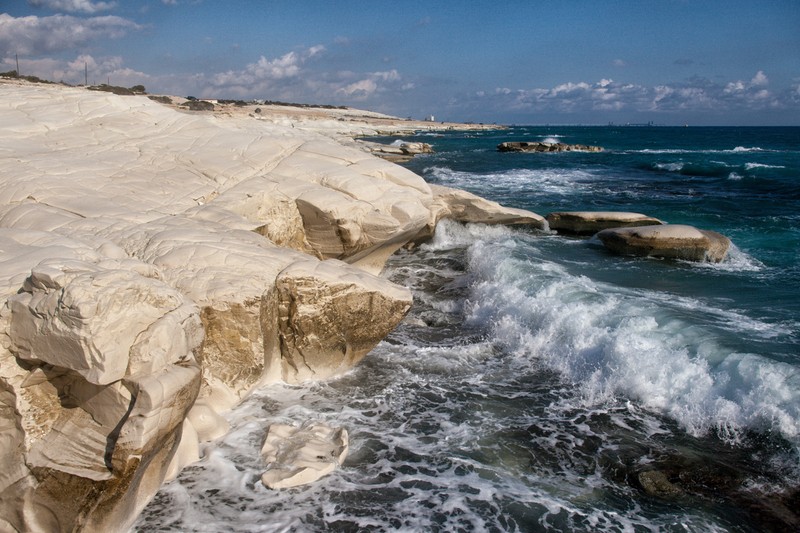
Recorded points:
(542, 383)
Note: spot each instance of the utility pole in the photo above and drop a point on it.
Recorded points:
(86, 73)
(17, 58)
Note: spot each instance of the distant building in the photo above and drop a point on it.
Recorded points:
(430, 118)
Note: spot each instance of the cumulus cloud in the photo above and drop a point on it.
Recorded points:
(38, 35)
(74, 6)
(374, 82)
(696, 94)
(73, 71)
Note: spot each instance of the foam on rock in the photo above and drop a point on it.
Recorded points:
(298, 455)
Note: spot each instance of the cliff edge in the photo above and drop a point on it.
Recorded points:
(156, 266)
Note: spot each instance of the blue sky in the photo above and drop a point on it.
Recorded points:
(731, 62)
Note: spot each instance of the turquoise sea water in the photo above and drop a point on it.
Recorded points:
(542, 383)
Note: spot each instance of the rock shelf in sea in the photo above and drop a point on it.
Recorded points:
(159, 264)
(545, 147)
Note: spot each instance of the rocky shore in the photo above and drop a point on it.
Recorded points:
(159, 264)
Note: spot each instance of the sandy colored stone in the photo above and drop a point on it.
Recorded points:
(590, 222)
(671, 241)
(329, 317)
(298, 455)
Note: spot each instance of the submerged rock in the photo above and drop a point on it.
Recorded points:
(298, 455)
(590, 222)
(656, 483)
(670, 241)
(546, 147)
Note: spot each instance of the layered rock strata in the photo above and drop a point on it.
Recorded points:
(669, 241)
(590, 222)
(156, 266)
(546, 147)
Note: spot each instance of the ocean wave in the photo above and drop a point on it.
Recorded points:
(736, 150)
(609, 342)
(543, 181)
(751, 166)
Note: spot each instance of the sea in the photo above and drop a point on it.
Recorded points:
(543, 383)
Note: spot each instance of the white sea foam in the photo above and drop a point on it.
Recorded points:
(610, 343)
(549, 181)
(733, 176)
(751, 166)
(747, 149)
(670, 167)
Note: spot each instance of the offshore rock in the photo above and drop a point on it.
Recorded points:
(545, 147)
(670, 241)
(590, 222)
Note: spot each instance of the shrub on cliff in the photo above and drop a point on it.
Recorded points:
(198, 105)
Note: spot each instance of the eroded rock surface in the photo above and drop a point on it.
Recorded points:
(156, 266)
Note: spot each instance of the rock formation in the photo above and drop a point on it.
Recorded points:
(297, 455)
(156, 266)
(545, 147)
(590, 222)
(670, 241)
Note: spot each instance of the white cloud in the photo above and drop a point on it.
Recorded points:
(375, 82)
(100, 70)
(74, 6)
(37, 35)
(359, 89)
(693, 95)
(619, 63)
(759, 80)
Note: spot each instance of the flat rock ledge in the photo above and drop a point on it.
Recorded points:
(546, 147)
(590, 222)
(669, 241)
(397, 152)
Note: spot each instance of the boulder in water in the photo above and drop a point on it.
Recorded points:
(298, 455)
(546, 147)
(670, 241)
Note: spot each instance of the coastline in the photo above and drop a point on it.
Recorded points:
(159, 265)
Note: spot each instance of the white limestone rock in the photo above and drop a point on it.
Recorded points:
(98, 394)
(298, 455)
(149, 257)
(466, 207)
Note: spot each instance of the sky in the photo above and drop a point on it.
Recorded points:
(674, 62)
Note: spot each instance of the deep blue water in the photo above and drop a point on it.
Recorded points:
(541, 383)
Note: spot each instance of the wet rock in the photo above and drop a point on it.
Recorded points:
(656, 483)
(670, 241)
(545, 147)
(298, 455)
